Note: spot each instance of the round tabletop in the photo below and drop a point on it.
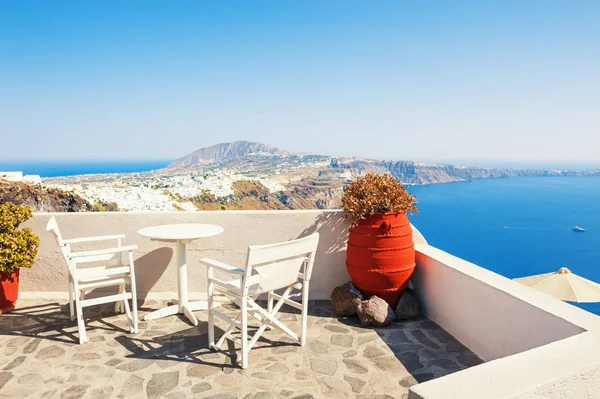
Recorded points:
(180, 232)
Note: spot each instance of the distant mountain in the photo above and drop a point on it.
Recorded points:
(318, 170)
(225, 152)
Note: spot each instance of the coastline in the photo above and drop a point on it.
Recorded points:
(250, 182)
(55, 169)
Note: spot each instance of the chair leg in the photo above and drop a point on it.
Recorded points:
(134, 314)
(128, 314)
(80, 321)
(71, 303)
(119, 308)
(270, 301)
(244, 337)
(270, 305)
(304, 326)
(133, 295)
(211, 318)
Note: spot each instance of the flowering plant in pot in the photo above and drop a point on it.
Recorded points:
(381, 254)
(18, 248)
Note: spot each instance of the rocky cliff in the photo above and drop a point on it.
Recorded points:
(251, 194)
(420, 173)
(42, 199)
(315, 197)
(247, 194)
(423, 173)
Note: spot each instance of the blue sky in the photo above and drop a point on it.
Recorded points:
(431, 80)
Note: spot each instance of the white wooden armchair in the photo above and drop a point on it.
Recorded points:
(287, 265)
(82, 280)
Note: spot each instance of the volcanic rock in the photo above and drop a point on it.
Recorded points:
(375, 312)
(408, 306)
(345, 299)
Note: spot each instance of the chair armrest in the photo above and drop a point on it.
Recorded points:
(97, 238)
(222, 266)
(108, 251)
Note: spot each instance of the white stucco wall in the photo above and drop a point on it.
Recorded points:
(155, 262)
(535, 346)
(481, 308)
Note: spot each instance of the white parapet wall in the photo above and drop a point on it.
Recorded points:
(534, 346)
(484, 310)
(155, 262)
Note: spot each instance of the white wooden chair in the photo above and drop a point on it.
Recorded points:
(82, 280)
(287, 265)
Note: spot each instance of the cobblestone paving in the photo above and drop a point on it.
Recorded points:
(40, 357)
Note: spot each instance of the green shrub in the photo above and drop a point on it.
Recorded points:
(18, 247)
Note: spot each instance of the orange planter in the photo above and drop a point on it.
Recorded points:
(381, 255)
(9, 291)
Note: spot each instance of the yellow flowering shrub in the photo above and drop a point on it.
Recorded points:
(375, 194)
(18, 247)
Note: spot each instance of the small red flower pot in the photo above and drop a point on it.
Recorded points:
(9, 291)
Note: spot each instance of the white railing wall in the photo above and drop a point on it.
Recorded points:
(155, 262)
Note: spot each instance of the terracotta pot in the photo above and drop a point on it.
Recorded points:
(381, 255)
(9, 291)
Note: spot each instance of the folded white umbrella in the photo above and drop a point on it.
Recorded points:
(564, 285)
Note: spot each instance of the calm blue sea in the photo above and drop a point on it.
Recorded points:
(516, 227)
(71, 168)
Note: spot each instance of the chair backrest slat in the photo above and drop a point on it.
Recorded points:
(261, 254)
(52, 227)
(279, 264)
(65, 249)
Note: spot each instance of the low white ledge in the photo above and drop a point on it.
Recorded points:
(534, 345)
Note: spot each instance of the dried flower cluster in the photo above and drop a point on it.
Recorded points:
(373, 194)
(18, 248)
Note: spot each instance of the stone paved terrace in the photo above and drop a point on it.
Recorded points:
(40, 357)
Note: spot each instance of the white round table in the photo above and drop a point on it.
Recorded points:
(182, 234)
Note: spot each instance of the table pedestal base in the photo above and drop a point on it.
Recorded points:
(186, 310)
